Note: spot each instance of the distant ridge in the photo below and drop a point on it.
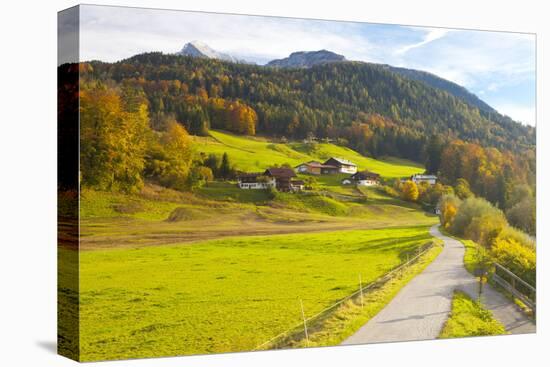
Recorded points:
(306, 59)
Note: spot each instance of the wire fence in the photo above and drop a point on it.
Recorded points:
(300, 331)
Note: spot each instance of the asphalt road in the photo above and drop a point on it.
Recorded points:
(420, 309)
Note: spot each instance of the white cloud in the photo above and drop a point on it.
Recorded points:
(501, 65)
(431, 35)
(111, 34)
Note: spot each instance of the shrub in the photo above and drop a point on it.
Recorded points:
(433, 193)
(310, 183)
(518, 236)
(518, 194)
(199, 176)
(449, 206)
(486, 228)
(519, 259)
(390, 191)
(468, 210)
(523, 215)
(462, 189)
(478, 220)
(272, 193)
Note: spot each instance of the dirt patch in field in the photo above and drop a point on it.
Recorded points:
(185, 214)
(206, 230)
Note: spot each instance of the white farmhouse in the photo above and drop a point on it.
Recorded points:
(431, 179)
(255, 181)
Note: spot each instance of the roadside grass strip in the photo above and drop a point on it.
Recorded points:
(470, 318)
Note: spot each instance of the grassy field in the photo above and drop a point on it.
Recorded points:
(469, 318)
(162, 216)
(256, 154)
(222, 269)
(224, 295)
(333, 328)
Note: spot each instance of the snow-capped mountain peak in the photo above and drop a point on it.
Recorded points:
(201, 49)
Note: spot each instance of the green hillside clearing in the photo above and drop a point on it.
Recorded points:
(257, 154)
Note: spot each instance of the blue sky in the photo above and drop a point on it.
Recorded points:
(499, 67)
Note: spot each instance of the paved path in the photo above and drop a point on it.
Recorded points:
(420, 309)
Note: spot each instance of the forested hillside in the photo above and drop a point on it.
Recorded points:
(461, 93)
(363, 106)
(325, 100)
(437, 82)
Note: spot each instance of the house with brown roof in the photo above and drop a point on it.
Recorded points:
(279, 178)
(316, 168)
(282, 176)
(363, 178)
(343, 165)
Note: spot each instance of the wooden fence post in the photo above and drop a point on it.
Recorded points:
(305, 324)
(361, 290)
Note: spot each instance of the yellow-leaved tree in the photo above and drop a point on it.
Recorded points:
(177, 156)
(409, 191)
(113, 138)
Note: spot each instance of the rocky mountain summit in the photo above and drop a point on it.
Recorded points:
(200, 49)
(306, 59)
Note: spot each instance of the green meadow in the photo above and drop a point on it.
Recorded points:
(222, 269)
(224, 295)
(161, 216)
(256, 154)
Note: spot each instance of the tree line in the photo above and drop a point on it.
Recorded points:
(119, 149)
(322, 100)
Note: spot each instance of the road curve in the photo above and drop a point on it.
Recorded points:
(420, 309)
